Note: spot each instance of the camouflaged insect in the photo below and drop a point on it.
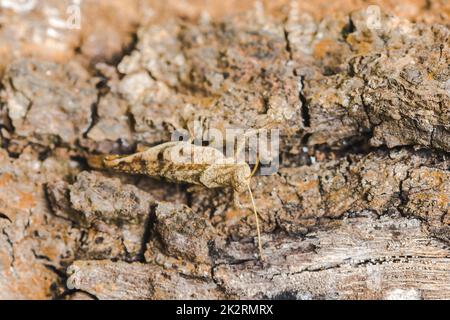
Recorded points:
(184, 162)
(181, 162)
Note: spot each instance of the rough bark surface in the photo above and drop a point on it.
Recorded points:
(359, 208)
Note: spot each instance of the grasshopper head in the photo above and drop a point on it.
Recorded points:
(241, 177)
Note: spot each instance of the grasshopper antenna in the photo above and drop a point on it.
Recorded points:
(255, 211)
(256, 167)
(257, 223)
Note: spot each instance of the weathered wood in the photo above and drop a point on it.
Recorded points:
(360, 205)
(367, 257)
(119, 280)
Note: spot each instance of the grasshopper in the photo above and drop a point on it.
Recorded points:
(184, 162)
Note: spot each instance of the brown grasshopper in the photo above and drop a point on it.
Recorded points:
(184, 162)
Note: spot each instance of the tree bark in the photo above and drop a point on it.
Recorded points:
(359, 207)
